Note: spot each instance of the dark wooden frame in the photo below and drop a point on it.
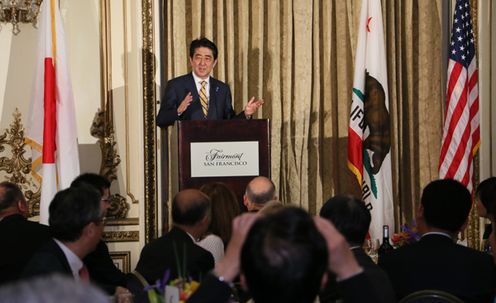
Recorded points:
(186, 132)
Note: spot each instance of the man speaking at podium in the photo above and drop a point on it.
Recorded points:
(197, 95)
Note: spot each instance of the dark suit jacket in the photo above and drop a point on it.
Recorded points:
(47, 260)
(356, 289)
(102, 269)
(377, 277)
(159, 256)
(436, 262)
(20, 239)
(219, 108)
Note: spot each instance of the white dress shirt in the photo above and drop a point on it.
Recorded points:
(74, 262)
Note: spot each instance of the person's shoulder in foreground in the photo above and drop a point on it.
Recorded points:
(52, 288)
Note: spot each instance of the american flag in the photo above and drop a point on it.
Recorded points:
(461, 137)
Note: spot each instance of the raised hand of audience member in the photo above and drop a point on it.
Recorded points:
(341, 259)
(228, 267)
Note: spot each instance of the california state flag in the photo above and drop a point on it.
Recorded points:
(52, 129)
(369, 140)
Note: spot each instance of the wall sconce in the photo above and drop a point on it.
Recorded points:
(19, 11)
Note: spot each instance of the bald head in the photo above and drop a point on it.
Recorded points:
(189, 207)
(259, 191)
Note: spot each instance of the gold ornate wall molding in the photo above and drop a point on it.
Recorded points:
(473, 228)
(16, 165)
(121, 236)
(102, 128)
(122, 222)
(123, 260)
(149, 112)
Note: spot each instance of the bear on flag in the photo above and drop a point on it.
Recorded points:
(369, 133)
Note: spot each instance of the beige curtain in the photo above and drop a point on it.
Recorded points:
(299, 56)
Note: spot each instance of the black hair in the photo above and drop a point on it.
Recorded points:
(349, 215)
(10, 195)
(72, 209)
(486, 192)
(203, 42)
(284, 257)
(446, 204)
(97, 181)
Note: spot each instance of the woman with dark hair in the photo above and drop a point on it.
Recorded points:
(225, 207)
(485, 197)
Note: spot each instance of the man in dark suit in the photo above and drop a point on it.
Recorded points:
(19, 237)
(176, 251)
(101, 268)
(76, 222)
(197, 95)
(352, 218)
(436, 261)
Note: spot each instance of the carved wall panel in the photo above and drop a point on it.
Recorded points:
(15, 163)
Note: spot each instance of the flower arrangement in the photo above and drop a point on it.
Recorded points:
(176, 290)
(407, 235)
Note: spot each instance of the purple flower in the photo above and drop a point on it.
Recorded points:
(160, 283)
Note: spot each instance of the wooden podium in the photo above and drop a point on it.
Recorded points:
(229, 151)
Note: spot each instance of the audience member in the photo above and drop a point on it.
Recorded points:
(283, 258)
(485, 197)
(436, 261)
(20, 237)
(351, 218)
(259, 191)
(225, 208)
(190, 216)
(50, 289)
(76, 223)
(101, 267)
